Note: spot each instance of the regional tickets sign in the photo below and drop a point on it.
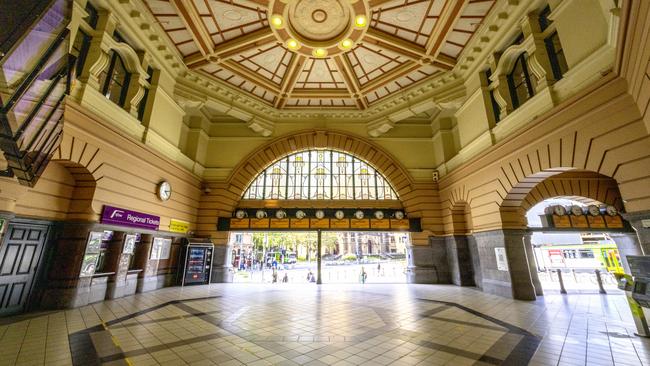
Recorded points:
(123, 217)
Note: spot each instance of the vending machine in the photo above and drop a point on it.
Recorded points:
(197, 262)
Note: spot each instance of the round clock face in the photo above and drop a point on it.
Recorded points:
(576, 210)
(240, 214)
(339, 214)
(280, 214)
(320, 214)
(300, 214)
(399, 215)
(260, 214)
(559, 210)
(612, 211)
(359, 214)
(164, 190)
(379, 215)
(593, 210)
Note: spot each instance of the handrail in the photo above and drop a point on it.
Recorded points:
(39, 8)
(45, 122)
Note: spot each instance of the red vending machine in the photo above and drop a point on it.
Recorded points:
(197, 263)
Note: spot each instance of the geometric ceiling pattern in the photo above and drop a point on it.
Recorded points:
(371, 49)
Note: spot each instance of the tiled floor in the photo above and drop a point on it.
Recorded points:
(329, 325)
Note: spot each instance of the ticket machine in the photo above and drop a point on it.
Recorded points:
(637, 289)
(196, 257)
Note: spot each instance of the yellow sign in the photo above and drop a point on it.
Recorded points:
(614, 222)
(279, 223)
(239, 223)
(300, 223)
(360, 223)
(259, 223)
(379, 224)
(561, 221)
(579, 221)
(320, 223)
(596, 222)
(178, 226)
(402, 224)
(340, 224)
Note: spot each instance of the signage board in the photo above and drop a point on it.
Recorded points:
(259, 223)
(239, 223)
(402, 224)
(579, 221)
(279, 223)
(178, 226)
(561, 221)
(360, 223)
(340, 224)
(380, 224)
(319, 223)
(299, 223)
(123, 217)
(596, 222)
(614, 222)
(502, 259)
(94, 243)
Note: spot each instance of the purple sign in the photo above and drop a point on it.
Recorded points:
(124, 217)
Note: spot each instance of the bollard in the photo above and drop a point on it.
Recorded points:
(601, 289)
(559, 277)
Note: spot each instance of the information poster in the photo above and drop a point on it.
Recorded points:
(178, 226)
(502, 259)
(129, 244)
(279, 223)
(160, 248)
(94, 242)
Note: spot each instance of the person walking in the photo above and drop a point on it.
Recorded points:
(363, 276)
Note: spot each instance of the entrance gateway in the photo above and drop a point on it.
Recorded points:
(319, 220)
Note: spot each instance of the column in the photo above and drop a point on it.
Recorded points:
(532, 265)
(640, 222)
(428, 263)
(459, 260)
(221, 264)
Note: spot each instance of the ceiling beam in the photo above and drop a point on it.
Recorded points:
(441, 30)
(289, 81)
(231, 48)
(375, 3)
(250, 75)
(320, 93)
(350, 80)
(395, 44)
(396, 73)
(194, 24)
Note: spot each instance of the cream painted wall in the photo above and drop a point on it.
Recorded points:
(471, 119)
(582, 28)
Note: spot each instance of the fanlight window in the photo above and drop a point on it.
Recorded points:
(320, 175)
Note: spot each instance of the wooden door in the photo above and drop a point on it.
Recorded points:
(19, 258)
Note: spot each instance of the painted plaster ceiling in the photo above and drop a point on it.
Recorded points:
(344, 54)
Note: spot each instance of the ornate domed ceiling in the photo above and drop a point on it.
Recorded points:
(347, 54)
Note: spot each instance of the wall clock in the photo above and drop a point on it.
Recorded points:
(164, 190)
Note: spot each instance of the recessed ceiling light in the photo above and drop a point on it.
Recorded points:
(319, 52)
(292, 44)
(360, 21)
(277, 21)
(346, 44)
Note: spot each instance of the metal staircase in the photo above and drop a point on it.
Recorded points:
(35, 74)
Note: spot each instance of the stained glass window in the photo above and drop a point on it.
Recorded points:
(320, 175)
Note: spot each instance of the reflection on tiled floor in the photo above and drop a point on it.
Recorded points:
(329, 325)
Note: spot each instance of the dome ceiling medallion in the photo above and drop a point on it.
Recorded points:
(319, 28)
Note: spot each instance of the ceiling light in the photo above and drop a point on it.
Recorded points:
(346, 44)
(360, 21)
(277, 21)
(319, 52)
(292, 44)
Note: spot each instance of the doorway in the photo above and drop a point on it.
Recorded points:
(20, 255)
(345, 256)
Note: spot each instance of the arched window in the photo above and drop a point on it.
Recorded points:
(320, 175)
(520, 83)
